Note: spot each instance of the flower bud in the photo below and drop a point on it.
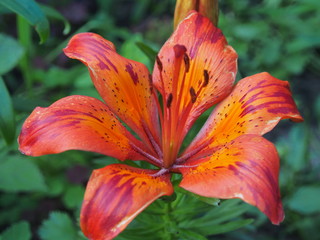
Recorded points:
(207, 8)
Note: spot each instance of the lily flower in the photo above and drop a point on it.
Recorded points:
(194, 70)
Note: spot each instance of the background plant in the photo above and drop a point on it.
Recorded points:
(40, 197)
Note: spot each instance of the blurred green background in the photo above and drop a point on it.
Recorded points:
(40, 198)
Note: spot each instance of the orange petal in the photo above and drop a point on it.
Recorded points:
(246, 168)
(76, 122)
(115, 195)
(124, 85)
(195, 69)
(255, 106)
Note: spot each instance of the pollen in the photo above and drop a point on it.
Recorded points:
(206, 78)
(159, 63)
(193, 95)
(186, 62)
(169, 100)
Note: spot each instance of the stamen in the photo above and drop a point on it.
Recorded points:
(206, 78)
(151, 158)
(159, 63)
(188, 155)
(183, 166)
(193, 95)
(169, 100)
(161, 172)
(179, 50)
(186, 61)
(152, 140)
(150, 82)
(158, 107)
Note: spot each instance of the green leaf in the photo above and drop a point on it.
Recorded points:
(297, 156)
(144, 232)
(147, 50)
(20, 174)
(52, 13)
(215, 217)
(223, 228)
(10, 51)
(190, 235)
(30, 10)
(56, 185)
(130, 50)
(306, 225)
(250, 30)
(58, 226)
(25, 104)
(170, 198)
(295, 64)
(210, 201)
(7, 118)
(59, 77)
(18, 231)
(73, 196)
(305, 200)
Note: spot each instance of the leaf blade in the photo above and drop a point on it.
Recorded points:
(7, 117)
(11, 51)
(303, 200)
(58, 226)
(30, 10)
(52, 13)
(17, 231)
(18, 174)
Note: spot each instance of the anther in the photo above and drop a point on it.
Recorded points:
(159, 63)
(206, 78)
(150, 82)
(169, 100)
(179, 50)
(193, 95)
(186, 62)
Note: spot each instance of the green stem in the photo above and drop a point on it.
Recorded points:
(25, 39)
(179, 198)
(169, 222)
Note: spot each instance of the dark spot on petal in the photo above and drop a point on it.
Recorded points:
(133, 75)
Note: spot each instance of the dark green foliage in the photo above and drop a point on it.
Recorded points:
(7, 118)
(185, 217)
(17, 231)
(276, 36)
(27, 177)
(40, 198)
(31, 11)
(58, 226)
